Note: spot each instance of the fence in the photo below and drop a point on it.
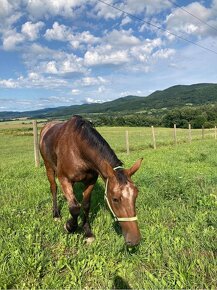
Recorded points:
(129, 139)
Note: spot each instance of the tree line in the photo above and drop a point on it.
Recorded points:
(199, 116)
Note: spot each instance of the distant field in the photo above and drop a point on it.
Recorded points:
(177, 210)
(139, 137)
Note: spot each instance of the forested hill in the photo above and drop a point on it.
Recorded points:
(180, 95)
(173, 97)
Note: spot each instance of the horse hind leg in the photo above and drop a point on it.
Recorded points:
(53, 189)
(74, 206)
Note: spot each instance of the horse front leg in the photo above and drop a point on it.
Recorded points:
(86, 208)
(74, 206)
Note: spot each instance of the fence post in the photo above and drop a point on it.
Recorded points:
(127, 142)
(202, 132)
(189, 133)
(153, 136)
(215, 133)
(36, 146)
(175, 136)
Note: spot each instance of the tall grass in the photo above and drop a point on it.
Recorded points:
(177, 216)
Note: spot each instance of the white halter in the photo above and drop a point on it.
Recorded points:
(119, 219)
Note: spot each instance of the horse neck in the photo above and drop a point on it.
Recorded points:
(100, 164)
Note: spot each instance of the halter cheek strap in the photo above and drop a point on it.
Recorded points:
(119, 219)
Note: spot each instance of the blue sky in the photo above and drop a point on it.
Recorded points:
(66, 52)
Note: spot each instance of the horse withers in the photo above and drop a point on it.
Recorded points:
(73, 151)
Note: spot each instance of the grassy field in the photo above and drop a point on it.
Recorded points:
(139, 138)
(177, 210)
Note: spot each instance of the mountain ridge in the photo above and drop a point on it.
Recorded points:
(172, 97)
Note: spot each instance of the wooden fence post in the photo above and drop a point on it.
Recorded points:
(36, 146)
(215, 133)
(202, 132)
(153, 136)
(175, 136)
(189, 133)
(127, 142)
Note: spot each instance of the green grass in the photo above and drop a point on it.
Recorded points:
(177, 210)
(139, 138)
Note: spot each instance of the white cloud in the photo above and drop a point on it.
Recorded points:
(12, 39)
(34, 80)
(163, 53)
(44, 60)
(149, 6)
(92, 81)
(10, 13)
(8, 84)
(122, 38)
(101, 89)
(105, 54)
(15, 104)
(5, 8)
(64, 33)
(31, 30)
(104, 11)
(33, 76)
(51, 67)
(58, 32)
(122, 48)
(89, 100)
(126, 20)
(69, 63)
(37, 52)
(75, 92)
(143, 52)
(43, 8)
(179, 21)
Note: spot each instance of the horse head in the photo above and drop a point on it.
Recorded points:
(121, 194)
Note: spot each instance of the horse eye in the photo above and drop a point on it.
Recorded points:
(115, 200)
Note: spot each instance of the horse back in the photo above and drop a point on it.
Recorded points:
(49, 137)
(63, 149)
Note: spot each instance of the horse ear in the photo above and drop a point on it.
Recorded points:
(134, 168)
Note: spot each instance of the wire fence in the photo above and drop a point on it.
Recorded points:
(124, 139)
(121, 139)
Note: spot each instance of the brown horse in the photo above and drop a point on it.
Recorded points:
(74, 151)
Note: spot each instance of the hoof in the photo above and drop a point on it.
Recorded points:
(66, 229)
(89, 240)
(70, 228)
(56, 214)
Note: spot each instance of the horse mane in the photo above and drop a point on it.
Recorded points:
(92, 137)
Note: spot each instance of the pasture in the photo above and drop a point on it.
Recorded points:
(176, 207)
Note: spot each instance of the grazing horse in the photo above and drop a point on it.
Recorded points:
(74, 151)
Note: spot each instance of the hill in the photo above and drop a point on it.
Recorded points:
(173, 97)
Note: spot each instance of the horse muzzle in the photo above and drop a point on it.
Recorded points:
(132, 242)
(131, 234)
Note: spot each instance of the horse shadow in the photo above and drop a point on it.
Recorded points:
(97, 199)
(120, 283)
(97, 203)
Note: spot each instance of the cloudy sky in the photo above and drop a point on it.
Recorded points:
(65, 52)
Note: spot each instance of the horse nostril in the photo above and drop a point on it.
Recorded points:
(128, 243)
(132, 244)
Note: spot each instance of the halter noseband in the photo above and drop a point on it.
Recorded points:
(119, 219)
